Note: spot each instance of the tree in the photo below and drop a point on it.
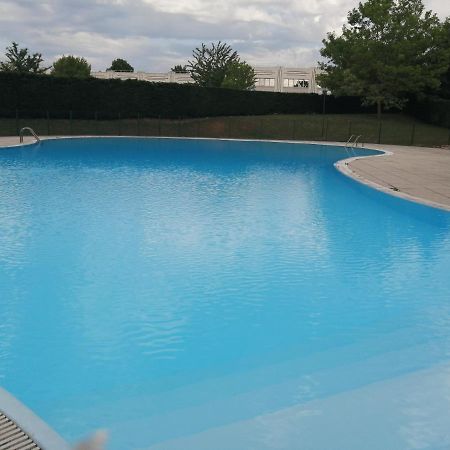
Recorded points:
(120, 65)
(209, 64)
(445, 88)
(387, 52)
(239, 75)
(19, 60)
(71, 67)
(179, 69)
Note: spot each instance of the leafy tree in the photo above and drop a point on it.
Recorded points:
(21, 61)
(388, 51)
(71, 67)
(445, 88)
(120, 65)
(239, 75)
(209, 64)
(179, 69)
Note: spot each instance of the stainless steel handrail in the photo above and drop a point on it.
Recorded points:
(349, 140)
(31, 131)
(355, 138)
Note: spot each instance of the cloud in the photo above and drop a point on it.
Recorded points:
(153, 35)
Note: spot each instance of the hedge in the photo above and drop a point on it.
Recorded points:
(432, 110)
(33, 95)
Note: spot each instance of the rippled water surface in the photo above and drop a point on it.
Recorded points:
(182, 293)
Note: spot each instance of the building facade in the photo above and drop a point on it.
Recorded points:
(268, 79)
(287, 79)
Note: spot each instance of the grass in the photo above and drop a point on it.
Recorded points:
(393, 128)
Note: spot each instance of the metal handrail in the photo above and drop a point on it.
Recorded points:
(355, 138)
(31, 131)
(349, 140)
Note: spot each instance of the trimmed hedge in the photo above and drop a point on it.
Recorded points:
(33, 95)
(432, 110)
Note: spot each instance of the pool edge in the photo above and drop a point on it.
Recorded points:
(33, 426)
(342, 166)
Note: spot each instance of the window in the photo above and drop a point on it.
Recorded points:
(292, 83)
(265, 82)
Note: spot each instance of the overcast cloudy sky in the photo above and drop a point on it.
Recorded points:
(153, 35)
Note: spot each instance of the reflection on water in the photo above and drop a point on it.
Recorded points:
(184, 285)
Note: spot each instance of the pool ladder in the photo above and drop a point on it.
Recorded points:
(22, 131)
(352, 142)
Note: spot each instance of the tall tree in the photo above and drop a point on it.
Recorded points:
(209, 64)
(21, 61)
(71, 67)
(179, 69)
(239, 75)
(120, 65)
(445, 88)
(388, 50)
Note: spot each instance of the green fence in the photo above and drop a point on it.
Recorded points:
(393, 129)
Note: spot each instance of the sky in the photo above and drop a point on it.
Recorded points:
(154, 35)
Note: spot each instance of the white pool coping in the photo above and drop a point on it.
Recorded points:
(344, 166)
(44, 436)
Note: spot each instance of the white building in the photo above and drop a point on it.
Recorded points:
(268, 79)
(286, 79)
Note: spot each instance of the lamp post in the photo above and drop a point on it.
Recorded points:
(325, 92)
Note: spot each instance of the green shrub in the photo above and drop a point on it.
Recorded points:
(432, 110)
(33, 95)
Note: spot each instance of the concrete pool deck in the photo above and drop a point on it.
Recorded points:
(421, 174)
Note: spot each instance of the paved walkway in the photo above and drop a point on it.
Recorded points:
(14, 140)
(417, 173)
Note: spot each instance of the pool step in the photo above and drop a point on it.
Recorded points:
(157, 418)
(12, 437)
(403, 413)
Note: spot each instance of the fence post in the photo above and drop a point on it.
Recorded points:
(17, 122)
(379, 131)
(413, 133)
(48, 123)
(71, 122)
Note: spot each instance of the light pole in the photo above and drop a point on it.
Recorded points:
(325, 92)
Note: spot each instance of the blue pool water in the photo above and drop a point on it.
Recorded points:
(192, 294)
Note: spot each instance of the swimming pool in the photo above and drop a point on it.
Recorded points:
(200, 294)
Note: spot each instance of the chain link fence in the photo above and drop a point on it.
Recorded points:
(392, 129)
